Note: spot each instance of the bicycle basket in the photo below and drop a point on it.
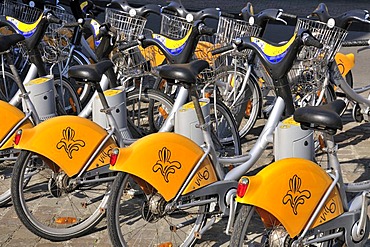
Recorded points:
(134, 61)
(20, 11)
(331, 37)
(56, 41)
(228, 29)
(174, 27)
(310, 67)
(128, 27)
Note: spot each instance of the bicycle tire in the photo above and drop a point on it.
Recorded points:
(68, 101)
(245, 106)
(130, 222)
(147, 110)
(225, 133)
(8, 85)
(249, 230)
(40, 206)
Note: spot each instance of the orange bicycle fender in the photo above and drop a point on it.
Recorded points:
(290, 190)
(345, 62)
(11, 116)
(165, 160)
(68, 141)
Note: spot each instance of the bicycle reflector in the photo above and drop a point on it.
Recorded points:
(17, 137)
(242, 186)
(114, 156)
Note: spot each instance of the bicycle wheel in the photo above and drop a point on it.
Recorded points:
(50, 204)
(136, 217)
(224, 130)
(249, 230)
(84, 90)
(147, 110)
(6, 169)
(242, 95)
(8, 85)
(68, 101)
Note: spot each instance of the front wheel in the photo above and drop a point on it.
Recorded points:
(51, 204)
(136, 216)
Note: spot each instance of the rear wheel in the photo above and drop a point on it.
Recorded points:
(51, 204)
(251, 230)
(136, 217)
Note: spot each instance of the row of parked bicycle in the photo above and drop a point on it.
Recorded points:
(111, 119)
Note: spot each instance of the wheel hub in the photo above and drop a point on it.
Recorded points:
(279, 237)
(154, 208)
(59, 184)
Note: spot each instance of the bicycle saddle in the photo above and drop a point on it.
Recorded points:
(90, 72)
(8, 41)
(322, 117)
(186, 73)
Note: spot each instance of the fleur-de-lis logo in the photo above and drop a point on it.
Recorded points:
(164, 165)
(68, 142)
(295, 196)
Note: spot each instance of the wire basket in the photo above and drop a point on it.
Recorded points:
(331, 37)
(20, 11)
(134, 61)
(228, 29)
(56, 42)
(310, 68)
(174, 27)
(128, 27)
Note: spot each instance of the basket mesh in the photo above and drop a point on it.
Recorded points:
(56, 42)
(128, 27)
(310, 67)
(20, 11)
(174, 27)
(229, 29)
(331, 38)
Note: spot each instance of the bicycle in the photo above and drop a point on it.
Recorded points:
(68, 181)
(178, 197)
(306, 205)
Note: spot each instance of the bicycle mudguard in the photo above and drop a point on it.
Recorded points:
(11, 116)
(68, 141)
(345, 62)
(288, 191)
(164, 161)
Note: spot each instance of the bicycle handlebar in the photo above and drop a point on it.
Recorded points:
(343, 20)
(360, 42)
(176, 8)
(143, 11)
(124, 46)
(222, 49)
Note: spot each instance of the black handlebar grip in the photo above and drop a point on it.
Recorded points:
(207, 30)
(125, 46)
(167, 11)
(290, 16)
(224, 14)
(311, 41)
(359, 42)
(222, 49)
(71, 24)
(54, 19)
